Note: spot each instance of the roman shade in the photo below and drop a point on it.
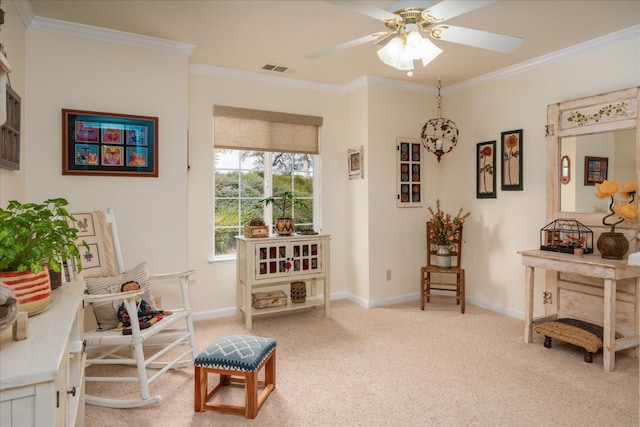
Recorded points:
(245, 129)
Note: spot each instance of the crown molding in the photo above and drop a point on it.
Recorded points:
(363, 81)
(618, 36)
(105, 34)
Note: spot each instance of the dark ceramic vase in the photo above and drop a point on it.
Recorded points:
(612, 245)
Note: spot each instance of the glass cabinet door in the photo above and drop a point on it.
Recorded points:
(281, 259)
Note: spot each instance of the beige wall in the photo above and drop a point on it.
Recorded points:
(168, 220)
(499, 227)
(13, 182)
(80, 73)
(216, 280)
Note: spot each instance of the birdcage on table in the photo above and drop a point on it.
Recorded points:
(566, 235)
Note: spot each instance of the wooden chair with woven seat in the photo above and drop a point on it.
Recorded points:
(429, 283)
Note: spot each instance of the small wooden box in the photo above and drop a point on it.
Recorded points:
(256, 231)
(268, 299)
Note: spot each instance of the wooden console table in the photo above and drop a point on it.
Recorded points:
(589, 265)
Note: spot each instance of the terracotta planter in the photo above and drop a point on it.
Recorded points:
(612, 245)
(32, 290)
(284, 226)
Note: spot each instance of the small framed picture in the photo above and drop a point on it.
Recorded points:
(511, 149)
(486, 170)
(354, 160)
(595, 169)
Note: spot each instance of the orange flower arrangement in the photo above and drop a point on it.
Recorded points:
(628, 210)
(444, 227)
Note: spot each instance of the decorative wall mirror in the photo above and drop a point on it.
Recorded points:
(565, 170)
(603, 126)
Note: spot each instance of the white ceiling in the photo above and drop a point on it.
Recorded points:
(245, 35)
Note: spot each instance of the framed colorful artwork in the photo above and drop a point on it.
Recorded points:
(486, 170)
(354, 160)
(109, 144)
(511, 150)
(409, 173)
(595, 169)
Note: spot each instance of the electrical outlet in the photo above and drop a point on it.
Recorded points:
(388, 275)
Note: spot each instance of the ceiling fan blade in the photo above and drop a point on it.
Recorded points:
(406, 4)
(477, 38)
(346, 45)
(448, 9)
(364, 8)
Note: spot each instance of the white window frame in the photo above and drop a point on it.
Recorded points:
(268, 209)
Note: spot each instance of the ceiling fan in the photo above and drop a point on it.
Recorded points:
(405, 20)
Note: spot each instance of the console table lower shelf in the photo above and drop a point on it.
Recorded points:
(606, 270)
(289, 306)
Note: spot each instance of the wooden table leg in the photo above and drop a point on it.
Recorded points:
(609, 333)
(636, 349)
(528, 303)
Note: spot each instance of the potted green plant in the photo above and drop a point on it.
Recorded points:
(35, 238)
(284, 224)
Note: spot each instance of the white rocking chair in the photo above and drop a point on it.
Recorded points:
(109, 346)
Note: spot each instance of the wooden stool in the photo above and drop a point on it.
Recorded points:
(576, 332)
(233, 356)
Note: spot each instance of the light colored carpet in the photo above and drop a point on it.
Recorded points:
(400, 366)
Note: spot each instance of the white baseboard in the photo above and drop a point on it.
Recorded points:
(231, 311)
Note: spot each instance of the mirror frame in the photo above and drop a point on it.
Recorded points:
(595, 114)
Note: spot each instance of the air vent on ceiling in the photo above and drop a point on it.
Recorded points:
(278, 68)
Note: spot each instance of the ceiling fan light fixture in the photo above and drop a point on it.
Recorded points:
(403, 49)
(390, 53)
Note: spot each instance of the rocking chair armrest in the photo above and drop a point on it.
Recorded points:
(112, 297)
(176, 275)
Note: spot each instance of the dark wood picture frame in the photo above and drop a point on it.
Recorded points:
(112, 144)
(10, 132)
(595, 169)
(511, 150)
(486, 170)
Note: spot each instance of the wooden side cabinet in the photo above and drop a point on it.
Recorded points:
(272, 263)
(42, 377)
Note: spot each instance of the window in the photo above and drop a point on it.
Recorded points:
(243, 178)
(260, 154)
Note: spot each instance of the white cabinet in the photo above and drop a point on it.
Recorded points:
(273, 262)
(42, 377)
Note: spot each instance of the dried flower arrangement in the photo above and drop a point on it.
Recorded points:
(444, 227)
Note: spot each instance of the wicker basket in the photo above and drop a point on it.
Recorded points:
(298, 292)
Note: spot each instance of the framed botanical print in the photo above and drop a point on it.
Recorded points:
(486, 170)
(511, 149)
(354, 161)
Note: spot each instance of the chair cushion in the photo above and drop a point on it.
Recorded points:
(107, 312)
(100, 259)
(236, 353)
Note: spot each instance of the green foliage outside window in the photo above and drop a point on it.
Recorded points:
(239, 192)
